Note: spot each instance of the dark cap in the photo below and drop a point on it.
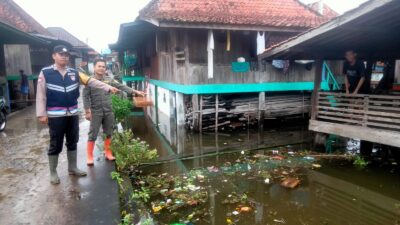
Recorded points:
(60, 49)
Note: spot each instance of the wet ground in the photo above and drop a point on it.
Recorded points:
(26, 195)
(247, 187)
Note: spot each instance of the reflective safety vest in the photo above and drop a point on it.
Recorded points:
(62, 92)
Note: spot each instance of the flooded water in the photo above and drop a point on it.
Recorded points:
(246, 185)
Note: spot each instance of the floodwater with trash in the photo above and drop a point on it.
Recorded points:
(261, 177)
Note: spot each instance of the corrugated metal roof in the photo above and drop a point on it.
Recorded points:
(373, 30)
(64, 35)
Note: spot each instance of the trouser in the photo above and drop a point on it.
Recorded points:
(59, 127)
(98, 120)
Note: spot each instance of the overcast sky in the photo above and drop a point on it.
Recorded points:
(97, 21)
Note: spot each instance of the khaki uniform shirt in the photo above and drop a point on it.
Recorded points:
(99, 102)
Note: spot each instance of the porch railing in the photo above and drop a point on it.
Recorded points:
(370, 111)
(330, 77)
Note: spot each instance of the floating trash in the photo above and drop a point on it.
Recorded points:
(290, 182)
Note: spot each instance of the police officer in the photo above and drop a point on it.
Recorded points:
(57, 106)
(98, 110)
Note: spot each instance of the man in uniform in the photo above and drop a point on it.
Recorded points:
(57, 106)
(98, 110)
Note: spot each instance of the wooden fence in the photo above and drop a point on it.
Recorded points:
(370, 111)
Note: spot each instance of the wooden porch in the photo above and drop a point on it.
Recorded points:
(374, 118)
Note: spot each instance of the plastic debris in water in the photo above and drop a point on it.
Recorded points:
(192, 187)
(229, 221)
(290, 182)
(267, 181)
(213, 169)
(277, 157)
(242, 152)
(157, 209)
(316, 166)
(245, 209)
(200, 177)
(279, 221)
(235, 213)
(275, 152)
(309, 158)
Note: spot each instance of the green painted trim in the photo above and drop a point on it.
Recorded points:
(238, 88)
(18, 77)
(134, 78)
(136, 114)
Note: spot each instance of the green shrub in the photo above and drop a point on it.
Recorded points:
(130, 152)
(121, 107)
(359, 162)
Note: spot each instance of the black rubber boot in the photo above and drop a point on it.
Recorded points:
(53, 162)
(72, 168)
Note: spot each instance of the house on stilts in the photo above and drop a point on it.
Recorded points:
(373, 30)
(200, 61)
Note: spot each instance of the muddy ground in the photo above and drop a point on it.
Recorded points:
(27, 197)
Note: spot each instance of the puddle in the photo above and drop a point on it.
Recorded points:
(77, 195)
(277, 182)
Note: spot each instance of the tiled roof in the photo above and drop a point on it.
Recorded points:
(13, 15)
(328, 12)
(61, 34)
(274, 13)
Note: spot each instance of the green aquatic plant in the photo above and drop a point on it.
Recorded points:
(360, 162)
(142, 194)
(121, 107)
(130, 152)
(117, 177)
(127, 220)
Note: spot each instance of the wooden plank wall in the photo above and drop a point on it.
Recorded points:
(17, 57)
(193, 69)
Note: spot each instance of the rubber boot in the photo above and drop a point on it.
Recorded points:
(72, 168)
(53, 162)
(90, 148)
(107, 150)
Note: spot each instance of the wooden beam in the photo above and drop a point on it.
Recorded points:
(195, 104)
(216, 112)
(358, 132)
(201, 114)
(261, 109)
(211, 26)
(317, 85)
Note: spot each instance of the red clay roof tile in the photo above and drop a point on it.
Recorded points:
(275, 13)
(12, 14)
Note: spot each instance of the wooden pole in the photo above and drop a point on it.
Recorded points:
(216, 112)
(195, 103)
(201, 114)
(261, 109)
(317, 86)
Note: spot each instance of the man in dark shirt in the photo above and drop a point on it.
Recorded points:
(354, 71)
(24, 85)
